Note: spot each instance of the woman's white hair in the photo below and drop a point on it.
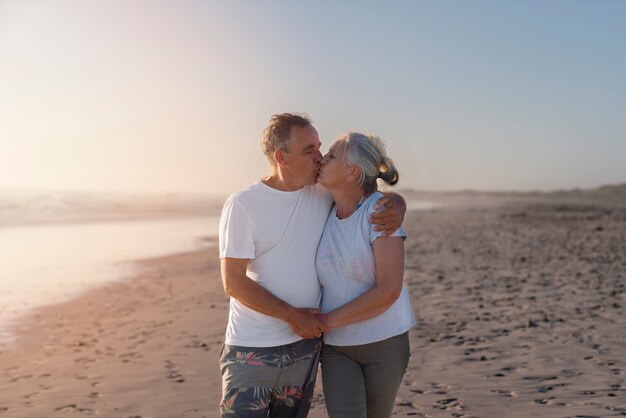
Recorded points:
(368, 152)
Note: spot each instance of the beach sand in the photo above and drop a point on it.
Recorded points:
(519, 309)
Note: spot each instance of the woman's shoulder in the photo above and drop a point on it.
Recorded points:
(371, 208)
(371, 200)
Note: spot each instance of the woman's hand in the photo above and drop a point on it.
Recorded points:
(389, 257)
(326, 320)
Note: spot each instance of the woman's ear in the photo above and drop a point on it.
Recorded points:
(354, 174)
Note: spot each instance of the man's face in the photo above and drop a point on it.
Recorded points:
(334, 169)
(304, 157)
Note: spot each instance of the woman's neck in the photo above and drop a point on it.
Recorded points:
(347, 201)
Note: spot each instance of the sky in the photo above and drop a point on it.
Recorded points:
(172, 96)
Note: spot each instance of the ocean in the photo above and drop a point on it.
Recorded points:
(45, 264)
(55, 247)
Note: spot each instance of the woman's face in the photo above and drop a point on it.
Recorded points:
(334, 170)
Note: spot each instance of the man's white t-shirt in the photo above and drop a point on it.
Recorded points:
(346, 269)
(279, 232)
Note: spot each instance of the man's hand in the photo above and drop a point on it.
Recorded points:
(326, 320)
(390, 218)
(305, 323)
(237, 285)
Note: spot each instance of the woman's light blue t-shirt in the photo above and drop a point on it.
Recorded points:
(346, 269)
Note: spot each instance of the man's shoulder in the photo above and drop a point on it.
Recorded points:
(248, 191)
(319, 192)
(258, 196)
(258, 188)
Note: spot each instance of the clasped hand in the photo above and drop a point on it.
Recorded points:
(307, 323)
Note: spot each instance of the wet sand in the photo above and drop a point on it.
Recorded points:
(519, 308)
(145, 347)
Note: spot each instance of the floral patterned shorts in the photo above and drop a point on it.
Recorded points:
(269, 381)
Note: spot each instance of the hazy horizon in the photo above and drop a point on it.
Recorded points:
(160, 97)
(224, 194)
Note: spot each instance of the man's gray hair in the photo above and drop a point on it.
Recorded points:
(277, 135)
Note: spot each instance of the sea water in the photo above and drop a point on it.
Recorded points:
(45, 264)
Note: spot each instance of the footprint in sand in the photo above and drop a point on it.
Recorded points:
(540, 378)
(544, 389)
(571, 373)
(505, 392)
(543, 401)
(198, 344)
(617, 409)
(173, 372)
(74, 408)
(85, 360)
(132, 355)
(18, 378)
(550, 401)
(449, 404)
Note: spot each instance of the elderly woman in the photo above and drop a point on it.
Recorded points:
(364, 300)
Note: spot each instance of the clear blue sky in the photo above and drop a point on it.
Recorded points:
(173, 95)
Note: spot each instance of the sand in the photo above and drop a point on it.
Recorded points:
(519, 308)
(145, 347)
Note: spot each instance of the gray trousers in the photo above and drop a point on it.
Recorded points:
(363, 380)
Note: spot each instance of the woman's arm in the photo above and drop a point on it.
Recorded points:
(389, 260)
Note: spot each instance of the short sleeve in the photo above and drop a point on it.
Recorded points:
(236, 238)
(375, 234)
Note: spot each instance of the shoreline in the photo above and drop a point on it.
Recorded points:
(136, 347)
(519, 313)
(49, 264)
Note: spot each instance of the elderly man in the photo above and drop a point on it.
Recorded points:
(269, 233)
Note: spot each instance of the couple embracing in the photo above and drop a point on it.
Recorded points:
(312, 257)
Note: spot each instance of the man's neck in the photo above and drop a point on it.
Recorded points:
(278, 182)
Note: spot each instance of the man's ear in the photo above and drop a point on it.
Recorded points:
(279, 157)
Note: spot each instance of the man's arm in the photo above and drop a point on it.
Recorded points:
(239, 286)
(390, 218)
